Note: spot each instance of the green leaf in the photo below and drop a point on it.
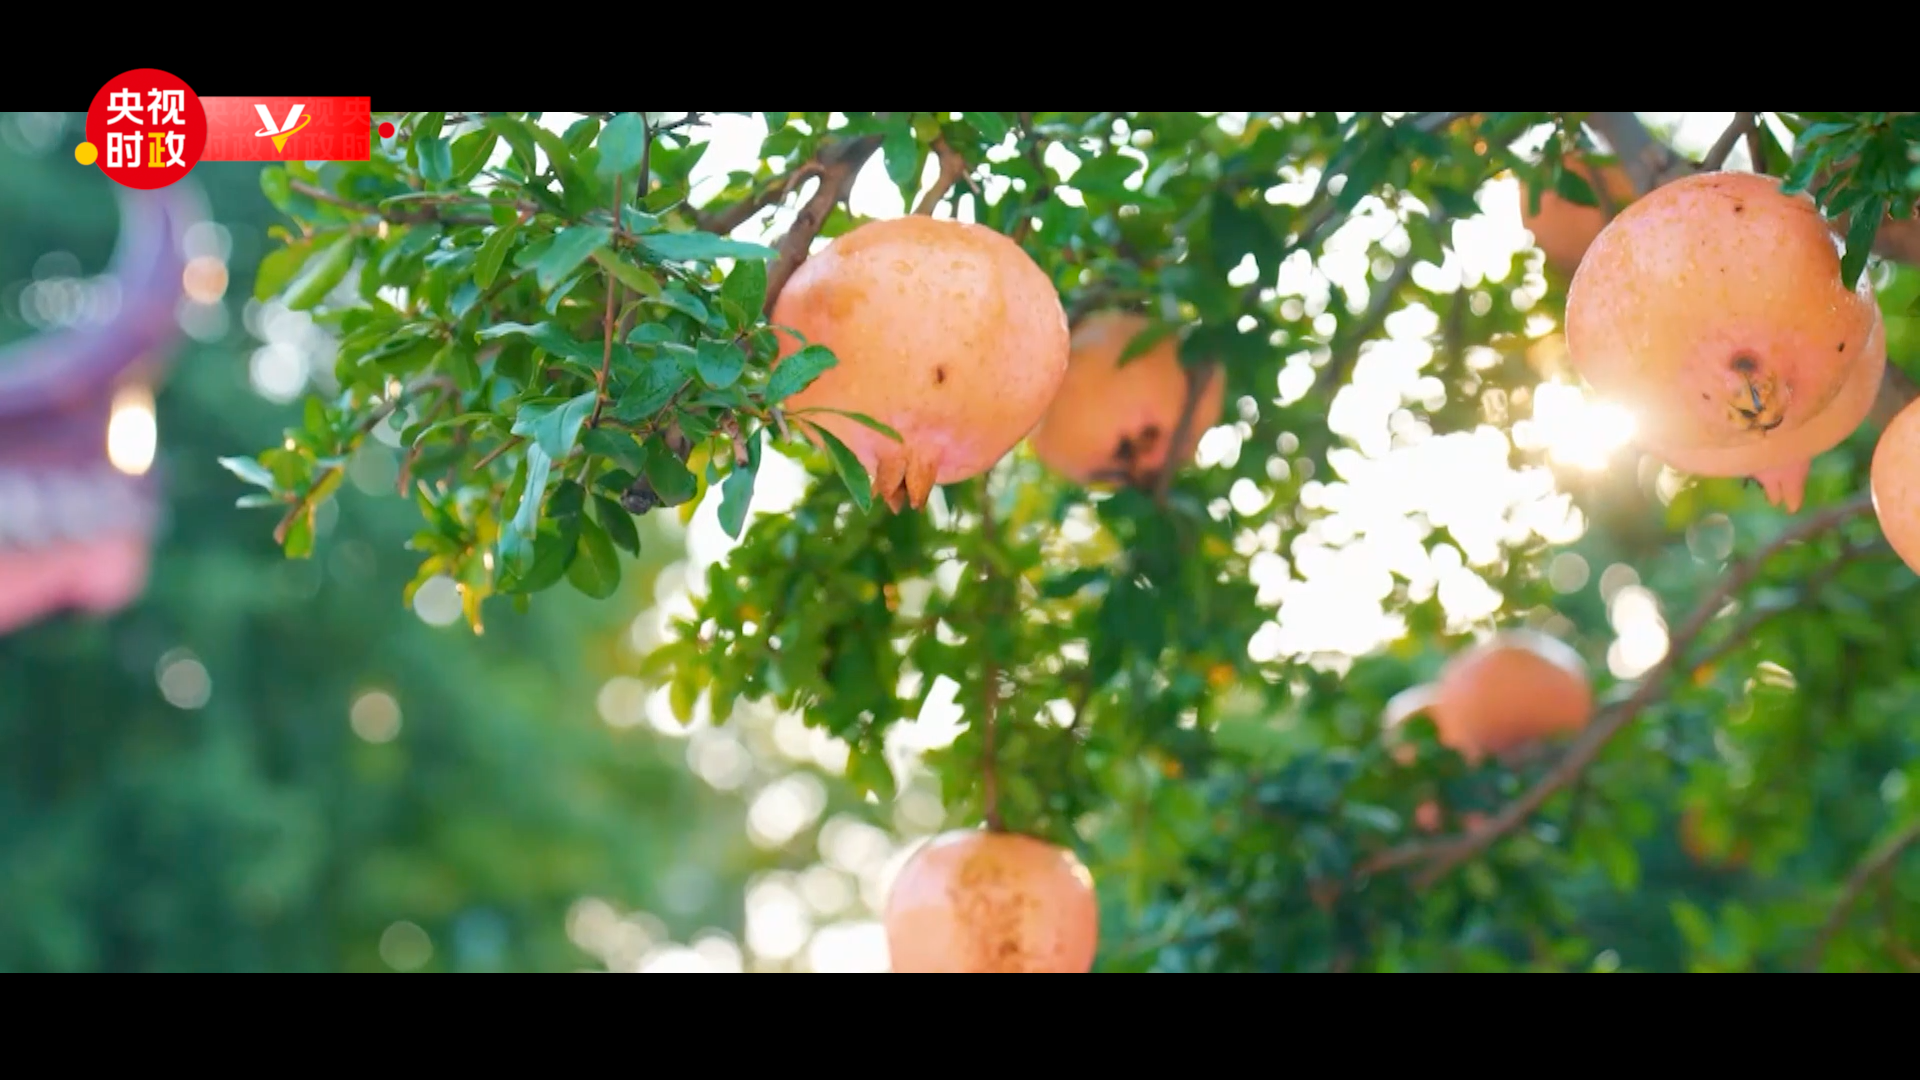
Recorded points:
(902, 153)
(870, 774)
(720, 363)
(625, 272)
(526, 519)
(596, 567)
(858, 418)
(1860, 233)
(1106, 177)
(672, 483)
(992, 126)
(797, 372)
(549, 337)
(323, 274)
(847, 464)
(746, 286)
(278, 268)
(702, 247)
(623, 145)
(650, 391)
(436, 160)
(618, 446)
(554, 427)
(571, 247)
(1574, 188)
(299, 544)
(553, 555)
(736, 491)
(493, 254)
(250, 471)
(618, 523)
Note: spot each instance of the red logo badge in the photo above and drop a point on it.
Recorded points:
(145, 129)
(289, 128)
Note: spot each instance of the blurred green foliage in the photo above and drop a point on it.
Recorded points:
(258, 831)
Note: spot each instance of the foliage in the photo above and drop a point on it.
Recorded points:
(254, 829)
(565, 340)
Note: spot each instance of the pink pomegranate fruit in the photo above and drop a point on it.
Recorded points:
(946, 332)
(1713, 309)
(1116, 422)
(1786, 483)
(975, 902)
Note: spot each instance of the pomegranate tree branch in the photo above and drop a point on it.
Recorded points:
(325, 481)
(1723, 146)
(613, 285)
(953, 169)
(1198, 376)
(839, 166)
(1740, 636)
(1877, 862)
(772, 190)
(1443, 855)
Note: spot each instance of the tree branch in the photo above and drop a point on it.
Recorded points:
(772, 190)
(1443, 855)
(953, 169)
(1877, 862)
(839, 166)
(1723, 146)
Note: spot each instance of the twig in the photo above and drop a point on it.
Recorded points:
(488, 458)
(1443, 855)
(1723, 146)
(772, 190)
(839, 167)
(990, 669)
(1198, 375)
(1370, 320)
(1648, 162)
(953, 168)
(613, 297)
(1742, 635)
(1757, 145)
(1877, 862)
(304, 503)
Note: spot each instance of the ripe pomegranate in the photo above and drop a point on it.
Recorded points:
(1786, 484)
(980, 903)
(1712, 307)
(1563, 229)
(1509, 692)
(946, 332)
(1116, 422)
(1895, 482)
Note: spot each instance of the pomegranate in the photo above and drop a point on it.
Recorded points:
(1563, 229)
(1786, 484)
(1713, 308)
(946, 332)
(1895, 482)
(1510, 692)
(1116, 422)
(978, 902)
